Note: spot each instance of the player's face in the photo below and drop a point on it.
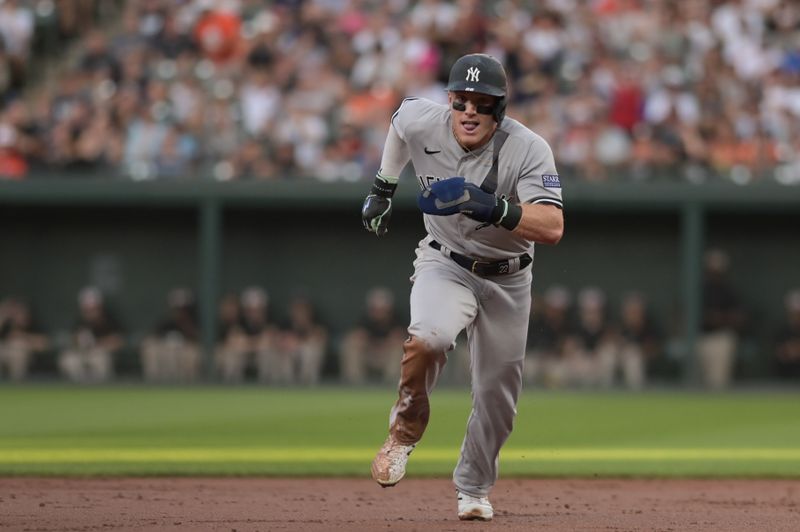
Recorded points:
(471, 127)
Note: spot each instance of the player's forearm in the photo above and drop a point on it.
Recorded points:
(395, 156)
(377, 208)
(541, 222)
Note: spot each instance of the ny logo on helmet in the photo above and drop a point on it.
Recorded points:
(473, 73)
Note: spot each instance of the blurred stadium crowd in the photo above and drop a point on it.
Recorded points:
(252, 89)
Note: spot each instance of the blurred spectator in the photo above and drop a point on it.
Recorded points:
(95, 339)
(170, 41)
(787, 348)
(369, 351)
(98, 58)
(303, 344)
(144, 139)
(251, 161)
(11, 77)
(216, 31)
(625, 96)
(13, 164)
(20, 339)
(638, 343)
(16, 29)
(260, 100)
(722, 321)
(176, 155)
(171, 353)
(552, 343)
(127, 37)
(74, 16)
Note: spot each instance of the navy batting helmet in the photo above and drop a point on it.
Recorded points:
(480, 73)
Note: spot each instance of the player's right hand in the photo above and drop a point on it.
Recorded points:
(375, 214)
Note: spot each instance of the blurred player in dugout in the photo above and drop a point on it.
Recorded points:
(591, 351)
(368, 351)
(616, 349)
(567, 352)
(551, 340)
(787, 342)
(639, 340)
(723, 320)
(303, 343)
(93, 342)
(20, 339)
(171, 353)
(289, 353)
(248, 336)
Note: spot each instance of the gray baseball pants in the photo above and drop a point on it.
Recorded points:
(445, 299)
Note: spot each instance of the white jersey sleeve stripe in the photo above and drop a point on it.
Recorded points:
(552, 201)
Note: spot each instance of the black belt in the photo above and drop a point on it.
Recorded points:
(482, 268)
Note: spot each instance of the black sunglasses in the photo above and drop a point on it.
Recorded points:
(481, 109)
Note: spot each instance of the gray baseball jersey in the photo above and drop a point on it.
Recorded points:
(526, 174)
(446, 298)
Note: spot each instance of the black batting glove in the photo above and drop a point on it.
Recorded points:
(376, 213)
(377, 209)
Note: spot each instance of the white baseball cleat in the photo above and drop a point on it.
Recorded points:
(389, 465)
(474, 508)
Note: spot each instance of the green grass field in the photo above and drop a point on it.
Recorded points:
(129, 430)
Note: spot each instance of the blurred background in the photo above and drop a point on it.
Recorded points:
(181, 182)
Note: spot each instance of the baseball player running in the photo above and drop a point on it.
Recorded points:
(489, 190)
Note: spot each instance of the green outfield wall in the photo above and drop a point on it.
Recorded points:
(136, 240)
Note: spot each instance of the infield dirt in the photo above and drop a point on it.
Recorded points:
(266, 504)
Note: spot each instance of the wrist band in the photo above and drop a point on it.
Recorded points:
(511, 216)
(384, 186)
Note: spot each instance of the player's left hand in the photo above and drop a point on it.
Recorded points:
(454, 195)
(482, 206)
(375, 214)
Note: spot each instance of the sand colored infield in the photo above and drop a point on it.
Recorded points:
(261, 504)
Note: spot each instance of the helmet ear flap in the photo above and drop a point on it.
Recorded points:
(500, 110)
